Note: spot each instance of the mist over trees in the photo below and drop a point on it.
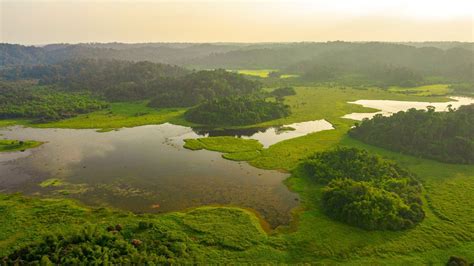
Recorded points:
(366, 63)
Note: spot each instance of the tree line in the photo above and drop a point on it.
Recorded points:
(164, 85)
(44, 103)
(443, 136)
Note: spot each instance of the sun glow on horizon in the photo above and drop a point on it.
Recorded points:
(47, 21)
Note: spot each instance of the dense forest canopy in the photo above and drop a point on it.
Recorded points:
(166, 85)
(115, 245)
(365, 190)
(44, 103)
(448, 59)
(371, 63)
(235, 111)
(199, 86)
(444, 136)
(388, 64)
(112, 78)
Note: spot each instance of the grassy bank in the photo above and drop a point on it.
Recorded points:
(118, 115)
(216, 234)
(17, 145)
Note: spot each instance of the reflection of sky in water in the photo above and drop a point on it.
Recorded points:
(274, 135)
(135, 168)
(389, 107)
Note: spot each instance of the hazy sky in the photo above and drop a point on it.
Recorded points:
(72, 21)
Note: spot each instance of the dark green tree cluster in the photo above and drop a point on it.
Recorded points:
(44, 104)
(199, 86)
(463, 89)
(282, 92)
(116, 80)
(236, 111)
(444, 136)
(94, 246)
(365, 190)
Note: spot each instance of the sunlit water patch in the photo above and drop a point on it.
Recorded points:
(273, 135)
(389, 107)
(142, 169)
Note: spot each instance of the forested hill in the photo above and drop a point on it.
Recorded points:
(371, 63)
(443, 136)
(226, 55)
(388, 64)
(165, 85)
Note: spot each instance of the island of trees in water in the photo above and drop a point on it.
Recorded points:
(365, 190)
(444, 136)
(236, 111)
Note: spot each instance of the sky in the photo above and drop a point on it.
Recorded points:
(74, 21)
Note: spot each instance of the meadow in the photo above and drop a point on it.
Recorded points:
(261, 73)
(118, 115)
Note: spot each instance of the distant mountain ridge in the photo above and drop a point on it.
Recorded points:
(375, 63)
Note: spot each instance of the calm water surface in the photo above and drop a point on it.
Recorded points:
(389, 107)
(272, 135)
(145, 169)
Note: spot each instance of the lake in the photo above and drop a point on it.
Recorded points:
(389, 107)
(146, 169)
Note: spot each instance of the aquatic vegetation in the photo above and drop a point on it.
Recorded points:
(52, 182)
(17, 145)
(225, 144)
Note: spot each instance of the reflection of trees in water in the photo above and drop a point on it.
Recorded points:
(246, 132)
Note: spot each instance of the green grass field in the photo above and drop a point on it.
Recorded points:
(262, 73)
(117, 116)
(16, 145)
(428, 90)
